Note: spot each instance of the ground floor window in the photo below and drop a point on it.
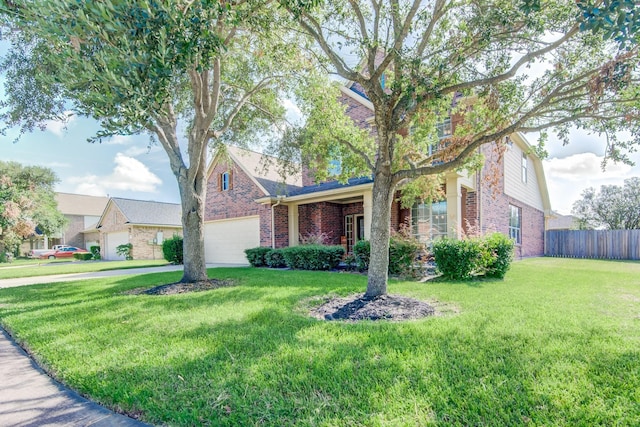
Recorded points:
(429, 220)
(515, 223)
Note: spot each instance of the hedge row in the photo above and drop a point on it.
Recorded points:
(490, 256)
(303, 257)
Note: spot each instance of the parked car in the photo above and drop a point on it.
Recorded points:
(66, 252)
(37, 253)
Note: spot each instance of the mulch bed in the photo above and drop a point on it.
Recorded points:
(385, 307)
(181, 288)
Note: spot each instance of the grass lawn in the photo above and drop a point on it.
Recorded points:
(556, 343)
(31, 268)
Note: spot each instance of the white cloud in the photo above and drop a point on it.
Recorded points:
(59, 127)
(129, 174)
(579, 167)
(568, 177)
(119, 140)
(137, 150)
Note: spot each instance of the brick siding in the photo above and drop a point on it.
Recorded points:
(495, 211)
(142, 235)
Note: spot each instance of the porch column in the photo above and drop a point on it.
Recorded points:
(367, 205)
(454, 206)
(293, 225)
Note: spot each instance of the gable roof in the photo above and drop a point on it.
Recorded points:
(81, 204)
(268, 180)
(145, 212)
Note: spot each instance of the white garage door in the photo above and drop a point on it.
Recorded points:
(226, 240)
(112, 241)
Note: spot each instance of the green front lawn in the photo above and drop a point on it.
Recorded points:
(556, 343)
(31, 268)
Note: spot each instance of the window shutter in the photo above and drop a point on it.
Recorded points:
(230, 179)
(219, 182)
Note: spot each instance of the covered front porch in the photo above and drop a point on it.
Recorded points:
(342, 215)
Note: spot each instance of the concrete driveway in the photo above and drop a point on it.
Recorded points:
(24, 281)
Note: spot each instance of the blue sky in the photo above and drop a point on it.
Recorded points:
(119, 167)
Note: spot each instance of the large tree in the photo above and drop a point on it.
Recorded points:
(144, 67)
(498, 66)
(614, 207)
(27, 201)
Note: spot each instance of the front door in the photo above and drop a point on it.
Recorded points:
(359, 227)
(353, 230)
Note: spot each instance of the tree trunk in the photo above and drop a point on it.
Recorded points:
(380, 224)
(195, 268)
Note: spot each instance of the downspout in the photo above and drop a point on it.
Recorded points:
(273, 222)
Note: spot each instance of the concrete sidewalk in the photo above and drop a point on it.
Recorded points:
(29, 397)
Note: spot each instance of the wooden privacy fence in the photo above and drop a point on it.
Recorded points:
(603, 244)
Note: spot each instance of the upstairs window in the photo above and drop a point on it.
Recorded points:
(524, 168)
(224, 181)
(444, 128)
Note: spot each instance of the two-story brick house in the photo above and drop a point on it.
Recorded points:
(248, 207)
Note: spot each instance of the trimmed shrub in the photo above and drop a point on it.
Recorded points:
(275, 259)
(172, 250)
(362, 253)
(83, 256)
(403, 251)
(313, 257)
(95, 251)
(501, 249)
(256, 256)
(490, 256)
(457, 259)
(125, 250)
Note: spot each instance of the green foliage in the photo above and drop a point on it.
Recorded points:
(362, 253)
(275, 259)
(125, 251)
(172, 249)
(83, 256)
(256, 256)
(457, 259)
(500, 247)
(27, 201)
(313, 257)
(403, 253)
(95, 251)
(490, 256)
(618, 20)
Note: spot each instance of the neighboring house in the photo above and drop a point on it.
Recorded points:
(246, 207)
(144, 224)
(82, 213)
(557, 221)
